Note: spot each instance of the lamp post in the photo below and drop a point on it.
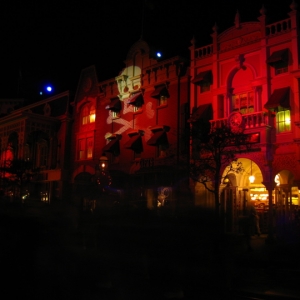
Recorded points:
(103, 163)
(251, 177)
(103, 178)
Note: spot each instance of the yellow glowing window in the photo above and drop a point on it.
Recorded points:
(85, 115)
(283, 121)
(136, 108)
(115, 114)
(244, 102)
(88, 115)
(92, 115)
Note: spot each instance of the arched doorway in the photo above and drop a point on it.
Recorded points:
(238, 193)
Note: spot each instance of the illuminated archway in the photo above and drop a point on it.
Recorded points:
(237, 193)
(286, 193)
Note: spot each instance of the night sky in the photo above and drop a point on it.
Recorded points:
(50, 42)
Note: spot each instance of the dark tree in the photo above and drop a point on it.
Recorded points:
(16, 174)
(212, 150)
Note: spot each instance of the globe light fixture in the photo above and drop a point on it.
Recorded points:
(251, 177)
(103, 162)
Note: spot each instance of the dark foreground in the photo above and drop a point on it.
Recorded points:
(61, 252)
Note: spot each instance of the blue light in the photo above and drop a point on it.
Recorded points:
(49, 89)
(158, 54)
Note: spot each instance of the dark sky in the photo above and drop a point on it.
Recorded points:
(51, 41)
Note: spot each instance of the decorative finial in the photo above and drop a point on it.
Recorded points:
(193, 41)
(237, 19)
(262, 10)
(294, 5)
(215, 28)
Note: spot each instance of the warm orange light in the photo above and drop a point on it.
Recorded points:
(251, 178)
(103, 162)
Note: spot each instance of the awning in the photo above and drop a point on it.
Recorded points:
(114, 105)
(135, 144)
(279, 98)
(136, 99)
(203, 76)
(160, 91)
(278, 56)
(202, 112)
(158, 138)
(113, 147)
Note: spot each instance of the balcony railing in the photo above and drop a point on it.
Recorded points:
(204, 51)
(278, 27)
(252, 120)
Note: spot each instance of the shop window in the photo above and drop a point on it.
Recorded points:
(283, 121)
(243, 103)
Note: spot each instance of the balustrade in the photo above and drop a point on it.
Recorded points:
(204, 51)
(252, 120)
(278, 27)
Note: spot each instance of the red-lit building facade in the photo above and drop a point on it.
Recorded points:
(138, 121)
(39, 134)
(248, 77)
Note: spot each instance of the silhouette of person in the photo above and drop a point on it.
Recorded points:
(254, 218)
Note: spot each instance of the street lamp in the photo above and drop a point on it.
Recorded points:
(103, 162)
(251, 177)
(103, 178)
